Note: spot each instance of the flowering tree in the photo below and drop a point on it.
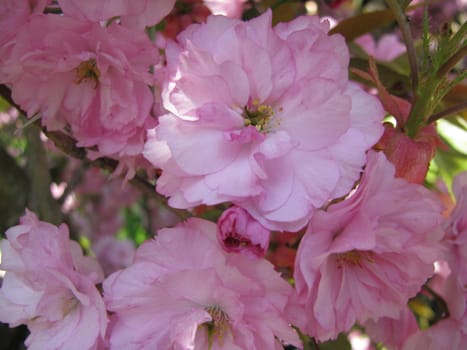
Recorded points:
(233, 174)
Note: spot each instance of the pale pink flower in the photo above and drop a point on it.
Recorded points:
(101, 201)
(184, 291)
(228, 8)
(365, 257)
(133, 13)
(90, 79)
(264, 118)
(387, 48)
(113, 254)
(50, 286)
(237, 231)
(456, 230)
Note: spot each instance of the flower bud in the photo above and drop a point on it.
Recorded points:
(238, 231)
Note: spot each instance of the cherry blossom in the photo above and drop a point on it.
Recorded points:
(237, 231)
(50, 286)
(183, 291)
(133, 13)
(94, 81)
(365, 257)
(264, 118)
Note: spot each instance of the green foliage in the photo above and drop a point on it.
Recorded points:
(449, 161)
(133, 228)
(4, 105)
(437, 77)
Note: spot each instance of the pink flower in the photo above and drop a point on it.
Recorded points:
(113, 254)
(50, 286)
(13, 15)
(456, 230)
(448, 333)
(237, 231)
(185, 292)
(90, 79)
(393, 332)
(264, 118)
(133, 13)
(387, 48)
(365, 257)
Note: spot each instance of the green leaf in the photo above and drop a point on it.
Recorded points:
(133, 228)
(4, 105)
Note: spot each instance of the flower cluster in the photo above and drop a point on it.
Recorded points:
(307, 209)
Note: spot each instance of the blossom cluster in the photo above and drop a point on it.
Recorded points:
(261, 124)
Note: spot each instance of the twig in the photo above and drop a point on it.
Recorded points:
(446, 67)
(448, 111)
(409, 43)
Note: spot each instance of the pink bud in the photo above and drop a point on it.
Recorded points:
(238, 231)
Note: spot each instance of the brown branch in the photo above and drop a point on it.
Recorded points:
(448, 111)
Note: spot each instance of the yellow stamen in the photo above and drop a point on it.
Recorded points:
(259, 117)
(353, 258)
(218, 326)
(87, 70)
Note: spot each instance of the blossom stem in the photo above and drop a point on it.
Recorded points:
(409, 43)
(451, 62)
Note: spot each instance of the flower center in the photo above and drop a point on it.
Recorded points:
(87, 70)
(353, 258)
(218, 326)
(258, 115)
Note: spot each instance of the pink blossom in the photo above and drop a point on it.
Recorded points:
(393, 332)
(101, 201)
(264, 118)
(133, 13)
(456, 230)
(113, 254)
(448, 333)
(184, 291)
(90, 79)
(387, 48)
(237, 231)
(50, 286)
(365, 257)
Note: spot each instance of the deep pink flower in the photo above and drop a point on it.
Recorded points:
(50, 286)
(264, 118)
(237, 231)
(185, 292)
(90, 79)
(366, 256)
(132, 13)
